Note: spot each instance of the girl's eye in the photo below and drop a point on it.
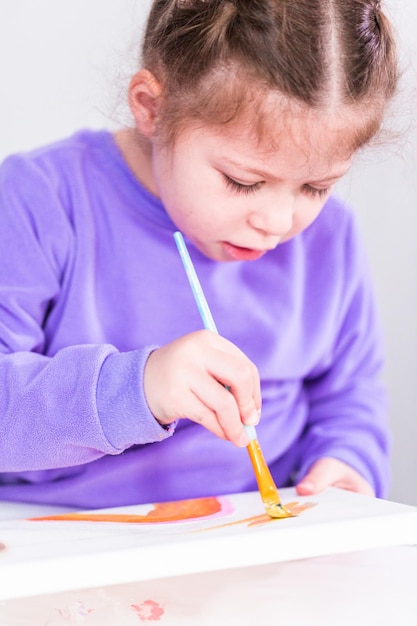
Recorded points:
(239, 187)
(316, 193)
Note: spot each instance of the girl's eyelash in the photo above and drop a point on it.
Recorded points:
(246, 189)
(313, 191)
(239, 187)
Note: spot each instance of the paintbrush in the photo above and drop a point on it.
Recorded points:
(269, 492)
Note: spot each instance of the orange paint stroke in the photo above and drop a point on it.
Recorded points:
(178, 511)
(258, 520)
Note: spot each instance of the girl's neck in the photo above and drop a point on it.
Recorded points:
(137, 153)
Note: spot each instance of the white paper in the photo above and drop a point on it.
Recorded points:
(50, 556)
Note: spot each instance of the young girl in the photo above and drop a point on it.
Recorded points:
(246, 114)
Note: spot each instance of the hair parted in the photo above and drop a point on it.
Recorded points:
(215, 57)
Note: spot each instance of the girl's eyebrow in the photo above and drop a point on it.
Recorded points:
(333, 178)
(265, 174)
(251, 170)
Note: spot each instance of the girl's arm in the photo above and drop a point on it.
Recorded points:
(348, 412)
(62, 411)
(57, 406)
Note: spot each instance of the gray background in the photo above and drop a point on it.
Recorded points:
(65, 65)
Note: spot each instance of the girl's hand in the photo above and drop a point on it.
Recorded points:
(329, 472)
(187, 379)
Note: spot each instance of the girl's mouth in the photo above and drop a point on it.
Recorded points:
(237, 253)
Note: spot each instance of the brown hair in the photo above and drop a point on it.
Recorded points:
(214, 57)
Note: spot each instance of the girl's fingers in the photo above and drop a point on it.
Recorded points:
(240, 376)
(199, 412)
(329, 472)
(223, 407)
(213, 407)
(206, 379)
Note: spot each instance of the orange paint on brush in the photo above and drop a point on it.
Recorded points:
(295, 508)
(267, 488)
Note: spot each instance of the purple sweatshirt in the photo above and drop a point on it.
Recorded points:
(91, 282)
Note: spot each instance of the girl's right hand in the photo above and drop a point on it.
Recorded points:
(188, 377)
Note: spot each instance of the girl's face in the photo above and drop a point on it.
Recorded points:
(235, 199)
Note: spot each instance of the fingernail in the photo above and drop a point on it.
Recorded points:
(253, 418)
(243, 440)
(306, 487)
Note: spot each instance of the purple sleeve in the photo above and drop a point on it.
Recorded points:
(55, 410)
(348, 412)
(62, 411)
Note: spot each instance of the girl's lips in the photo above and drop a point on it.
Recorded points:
(242, 254)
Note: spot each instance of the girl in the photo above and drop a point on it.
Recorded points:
(246, 114)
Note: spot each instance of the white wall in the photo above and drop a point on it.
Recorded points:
(63, 65)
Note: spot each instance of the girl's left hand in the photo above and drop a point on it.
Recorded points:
(329, 472)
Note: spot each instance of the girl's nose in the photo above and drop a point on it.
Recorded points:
(276, 219)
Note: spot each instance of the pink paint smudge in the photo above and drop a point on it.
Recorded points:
(148, 611)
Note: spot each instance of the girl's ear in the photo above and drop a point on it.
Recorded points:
(144, 94)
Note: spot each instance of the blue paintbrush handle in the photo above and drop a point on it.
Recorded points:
(201, 301)
(196, 288)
